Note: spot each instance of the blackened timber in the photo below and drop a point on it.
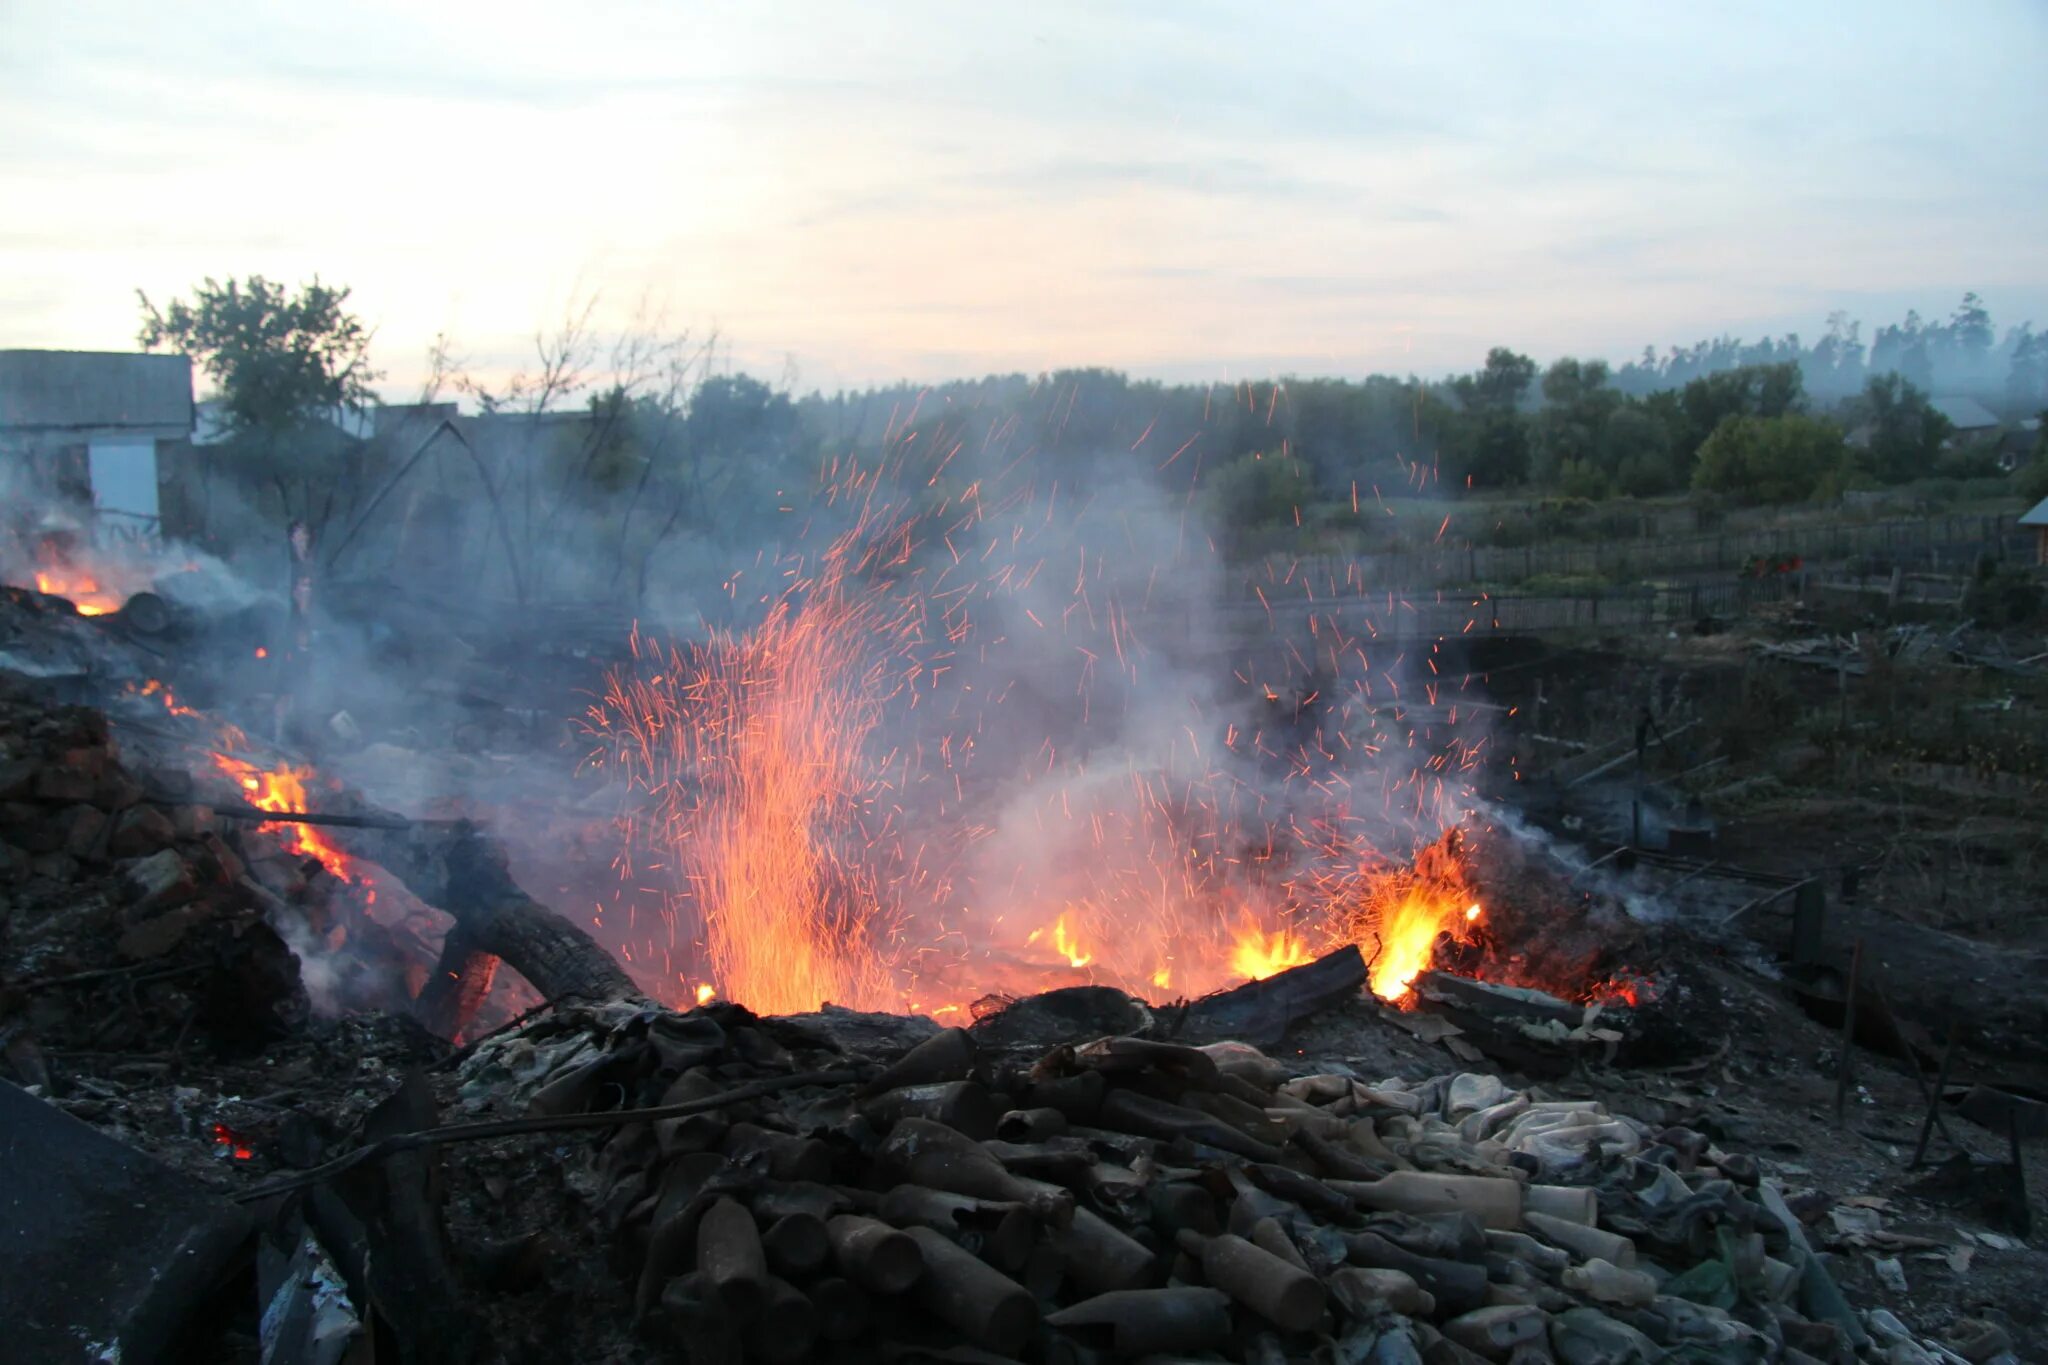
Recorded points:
(460, 984)
(457, 868)
(304, 817)
(1260, 1012)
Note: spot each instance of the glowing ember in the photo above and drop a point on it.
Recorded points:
(706, 992)
(157, 689)
(1627, 989)
(227, 1142)
(284, 790)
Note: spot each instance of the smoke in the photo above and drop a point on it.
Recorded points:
(1094, 728)
(1089, 723)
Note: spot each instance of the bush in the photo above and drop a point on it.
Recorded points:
(1511, 532)
(2030, 481)
(1769, 459)
(1257, 492)
(2001, 595)
(1971, 462)
(1582, 479)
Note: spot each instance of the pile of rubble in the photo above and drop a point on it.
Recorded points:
(768, 1196)
(1078, 1177)
(123, 876)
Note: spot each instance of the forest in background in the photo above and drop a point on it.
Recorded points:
(635, 443)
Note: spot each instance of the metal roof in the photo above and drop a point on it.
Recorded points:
(95, 390)
(1964, 414)
(2038, 516)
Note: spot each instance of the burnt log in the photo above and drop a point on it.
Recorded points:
(1261, 1012)
(458, 868)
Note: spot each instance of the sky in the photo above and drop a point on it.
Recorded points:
(854, 193)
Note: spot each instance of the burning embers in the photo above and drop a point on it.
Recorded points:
(919, 781)
(82, 588)
(62, 564)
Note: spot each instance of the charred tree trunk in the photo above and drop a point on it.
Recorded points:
(460, 984)
(459, 869)
(1260, 1012)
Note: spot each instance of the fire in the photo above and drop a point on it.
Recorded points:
(225, 735)
(81, 587)
(1409, 911)
(1256, 955)
(706, 992)
(751, 748)
(1408, 932)
(1064, 943)
(283, 790)
(943, 763)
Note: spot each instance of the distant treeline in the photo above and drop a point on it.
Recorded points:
(1772, 420)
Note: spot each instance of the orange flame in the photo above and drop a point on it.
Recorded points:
(232, 1143)
(1256, 956)
(284, 790)
(802, 853)
(1408, 933)
(81, 587)
(1064, 942)
(1410, 910)
(752, 748)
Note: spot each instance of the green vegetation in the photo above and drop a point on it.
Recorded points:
(647, 433)
(283, 366)
(1769, 459)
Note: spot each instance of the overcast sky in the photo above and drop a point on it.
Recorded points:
(868, 191)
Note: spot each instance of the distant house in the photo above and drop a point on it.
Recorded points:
(97, 425)
(2037, 519)
(1973, 423)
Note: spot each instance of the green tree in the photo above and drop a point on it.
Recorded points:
(1498, 386)
(1636, 451)
(1577, 401)
(1769, 459)
(1747, 391)
(1905, 432)
(1497, 449)
(2030, 481)
(1969, 330)
(278, 361)
(283, 365)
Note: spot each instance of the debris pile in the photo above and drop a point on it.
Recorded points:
(123, 879)
(769, 1196)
